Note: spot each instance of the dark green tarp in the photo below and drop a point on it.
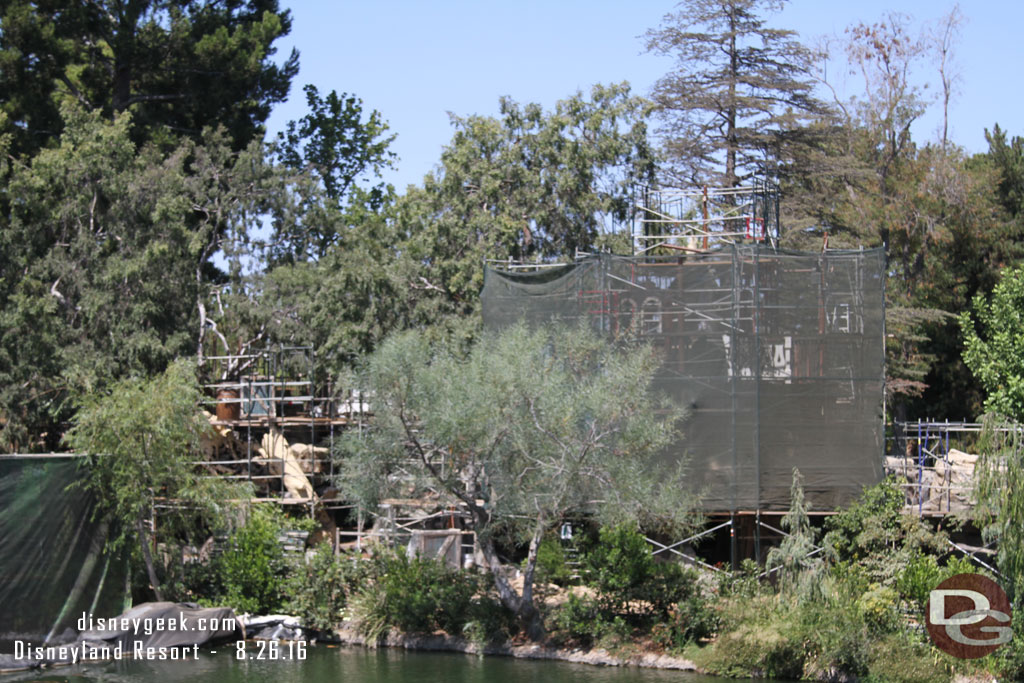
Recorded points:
(779, 357)
(55, 562)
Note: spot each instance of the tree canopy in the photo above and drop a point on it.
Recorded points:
(524, 429)
(737, 85)
(178, 65)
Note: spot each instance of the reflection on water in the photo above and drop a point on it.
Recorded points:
(354, 665)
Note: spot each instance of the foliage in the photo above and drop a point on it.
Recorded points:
(530, 184)
(999, 490)
(107, 258)
(253, 569)
(552, 562)
(518, 428)
(419, 595)
(737, 88)
(798, 569)
(335, 151)
(178, 66)
(581, 621)
(874, 538)
(994, 346)
(140, 437)
(319, 590)
(741, 583)
(628, 579)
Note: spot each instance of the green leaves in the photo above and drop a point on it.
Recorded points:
(994, 345)
(528, 422)
(178, 66)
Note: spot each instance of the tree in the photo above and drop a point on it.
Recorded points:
(532, 184)
(794, 556)
(178, 65)
(1009, 160)
(999, 489)
(738, 86)
(994, 345)
(106, 262)
(524, 429)
(140, 438)
(333, 152)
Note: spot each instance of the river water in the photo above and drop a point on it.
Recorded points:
(355, 665)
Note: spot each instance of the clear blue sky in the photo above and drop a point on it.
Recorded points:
(416, 60)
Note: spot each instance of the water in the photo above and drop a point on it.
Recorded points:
(355, 665)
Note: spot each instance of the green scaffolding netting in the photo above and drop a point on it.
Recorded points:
(54, 560)
(779, 357)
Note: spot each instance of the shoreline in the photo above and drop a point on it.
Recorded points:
(439, 642)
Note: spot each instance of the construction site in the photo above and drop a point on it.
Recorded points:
(777, 356)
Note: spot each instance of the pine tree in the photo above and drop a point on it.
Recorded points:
(737, 88)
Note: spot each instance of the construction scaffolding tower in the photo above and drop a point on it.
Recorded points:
(691, 221)
(779, 357)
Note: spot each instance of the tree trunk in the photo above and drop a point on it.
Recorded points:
(528, 612)
(148, 557)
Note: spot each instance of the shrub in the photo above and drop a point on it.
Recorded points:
(900, 659)
(755, 649)
(743, 582)
(691, 620)
(879, 605)
(552, 566)
(919, 577)
(415, 595)
(320, 589)
(629, 581)
(578, 620)
(252, 569)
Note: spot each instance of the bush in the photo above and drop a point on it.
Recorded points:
(899, 659)
(629, 581)
(755, 649)
(919, 577)
(252, 569)
(579, 620)
(552, 566)
(691, 620)
(743, 583)
(320, 589)
(417, 595)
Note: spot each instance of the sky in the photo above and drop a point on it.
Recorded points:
(417, 60)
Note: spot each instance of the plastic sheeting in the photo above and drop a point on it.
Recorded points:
(54, 561)
(779, 357)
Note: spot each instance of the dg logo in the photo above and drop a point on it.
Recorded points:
(968, 616)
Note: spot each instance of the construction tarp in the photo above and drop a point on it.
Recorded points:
(778, 357)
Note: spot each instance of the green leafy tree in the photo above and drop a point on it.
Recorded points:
(1008, 158)
(999, 488)
(794, 557)
(334, 154)
(532, 183)
(994, 345)
(529, 184)
(140, 438)
(737, 87)
(107, 261)
(523, 429)
(178, 65)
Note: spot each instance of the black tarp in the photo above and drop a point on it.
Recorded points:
(779, 357)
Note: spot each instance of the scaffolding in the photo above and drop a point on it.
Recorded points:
(692, 221)
(778, 355)
(273, 421)
(935, 462)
